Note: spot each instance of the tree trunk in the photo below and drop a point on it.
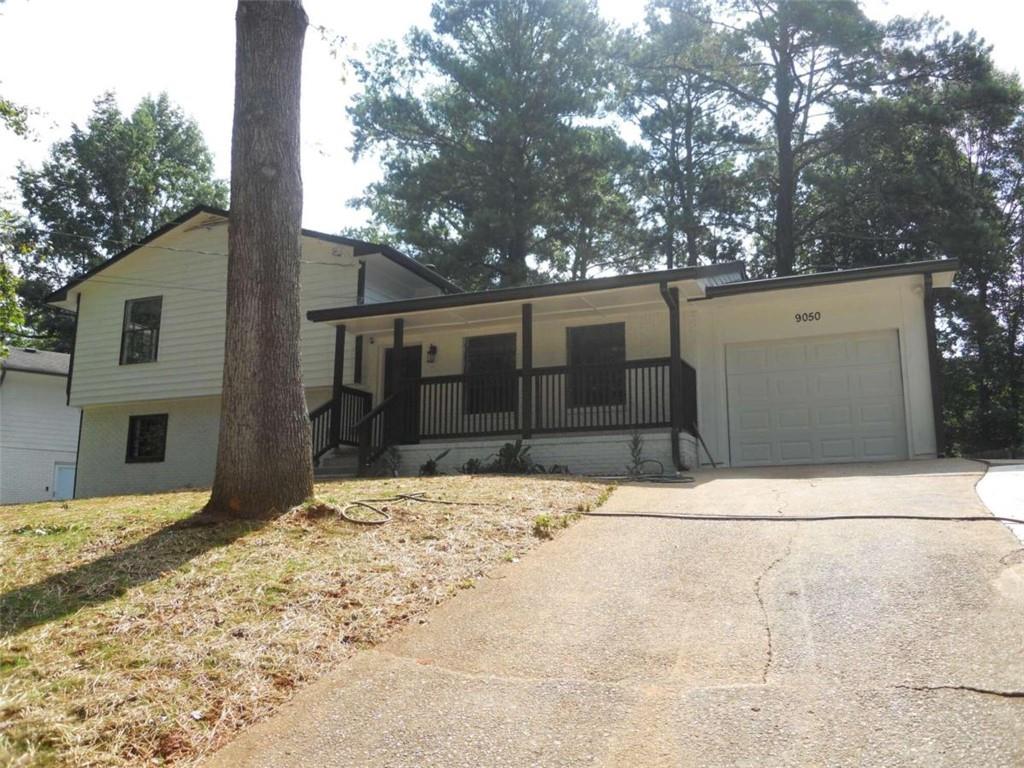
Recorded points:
(690, 183)
(785, 239)
(264, 461)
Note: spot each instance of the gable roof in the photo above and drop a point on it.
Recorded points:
(728, 271)
(36, 361)
(361, 248)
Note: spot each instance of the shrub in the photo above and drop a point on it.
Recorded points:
(429, 467)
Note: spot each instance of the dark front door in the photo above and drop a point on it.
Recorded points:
(405, 422)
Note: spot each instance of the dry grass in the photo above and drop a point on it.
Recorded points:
(128, 636)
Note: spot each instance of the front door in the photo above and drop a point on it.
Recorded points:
(407, 421)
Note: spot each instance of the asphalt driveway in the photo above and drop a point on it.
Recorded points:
(646, 642)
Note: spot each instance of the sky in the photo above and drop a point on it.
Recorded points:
(57, 56)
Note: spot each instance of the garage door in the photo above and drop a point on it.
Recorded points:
(816, 400)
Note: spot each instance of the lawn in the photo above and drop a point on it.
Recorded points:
(131, 633)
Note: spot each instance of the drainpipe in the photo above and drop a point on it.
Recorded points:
(671, 298)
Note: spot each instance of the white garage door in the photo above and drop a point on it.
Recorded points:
(816, 400)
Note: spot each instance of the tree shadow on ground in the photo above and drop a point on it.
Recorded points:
(109, 577)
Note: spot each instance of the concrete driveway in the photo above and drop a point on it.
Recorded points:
(644, 642)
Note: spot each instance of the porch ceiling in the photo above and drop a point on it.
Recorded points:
(600, 303)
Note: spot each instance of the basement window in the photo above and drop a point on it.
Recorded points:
(141, 330)
(147, 438)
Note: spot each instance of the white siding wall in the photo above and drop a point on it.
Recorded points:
(189, 458)
(191, 279)
(37, 430)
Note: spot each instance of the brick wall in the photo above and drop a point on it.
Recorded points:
(594, 454)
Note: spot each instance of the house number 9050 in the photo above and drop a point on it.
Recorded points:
(807, 317)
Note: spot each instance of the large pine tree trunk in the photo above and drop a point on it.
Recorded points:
(264, 462)
(785, 120)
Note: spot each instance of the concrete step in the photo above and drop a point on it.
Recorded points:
(342, 462)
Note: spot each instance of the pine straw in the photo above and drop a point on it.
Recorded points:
(181, 636)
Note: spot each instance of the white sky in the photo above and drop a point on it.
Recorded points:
(56, 56)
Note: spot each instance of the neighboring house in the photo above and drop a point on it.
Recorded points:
(703, 362)
(38, 431)
(149, 345)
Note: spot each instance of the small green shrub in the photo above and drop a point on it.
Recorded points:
(512, 459)
(473, 467)
(390, 463)
(429, 467)
(636, 455)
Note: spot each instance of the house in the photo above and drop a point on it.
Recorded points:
(712, 368)
(149, 345)
(709, 366)
(38, 431)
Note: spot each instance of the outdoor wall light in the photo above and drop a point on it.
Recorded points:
(432, 353)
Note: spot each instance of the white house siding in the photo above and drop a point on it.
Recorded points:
(37, 430)
(583, 454)
(894, 303)
(188, 269)
(190, 455)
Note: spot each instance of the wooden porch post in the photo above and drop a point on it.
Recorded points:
(337, 383)
(397, 425)
(527, 424)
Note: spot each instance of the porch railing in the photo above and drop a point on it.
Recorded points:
(333, 423)
(636, 394)
(633, 395)
(378, 430)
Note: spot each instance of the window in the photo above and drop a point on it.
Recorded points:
(147, 438)
(490, 364)
(141, 330)
(597, 356)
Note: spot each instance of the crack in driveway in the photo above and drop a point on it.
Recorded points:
(965, 688)
(770, 650)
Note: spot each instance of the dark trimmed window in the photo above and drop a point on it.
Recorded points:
(141, 330)
(147, 438)
(597, 356)
(490, 365)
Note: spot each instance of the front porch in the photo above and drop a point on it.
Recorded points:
(549, 363)
(557, 400)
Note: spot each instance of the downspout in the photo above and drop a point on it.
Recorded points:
(671, 298)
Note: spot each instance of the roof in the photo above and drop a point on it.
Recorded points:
(361, 248)
(731, 269)
(836, 276)
(36, 361)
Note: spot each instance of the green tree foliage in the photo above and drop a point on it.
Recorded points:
(11, 316)
(14, 118)
(799, 134)
(592, 222)
(110, 183)
(472, 123)
(935, 170)
(694, 196)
